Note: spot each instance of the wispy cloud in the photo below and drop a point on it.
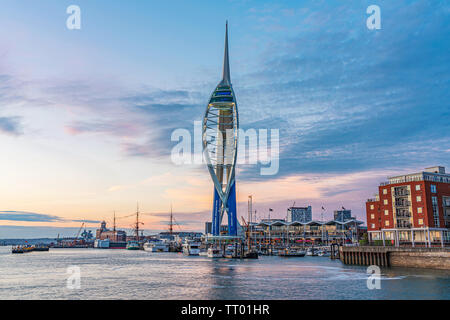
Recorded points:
(28, 216)
(36, 217)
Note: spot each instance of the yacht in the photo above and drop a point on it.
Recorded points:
(191, 248)
(156, 246)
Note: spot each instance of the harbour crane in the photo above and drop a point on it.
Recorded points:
(79, 230)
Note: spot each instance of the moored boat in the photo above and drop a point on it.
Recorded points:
(101, 244)
(133, 245)
(312, 252)
(191, 248)
(17, 249)
(41, 247)
(323, 253)
(291, 253)
(214, 253)
(156, 246)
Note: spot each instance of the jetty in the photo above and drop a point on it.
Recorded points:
(409, 257)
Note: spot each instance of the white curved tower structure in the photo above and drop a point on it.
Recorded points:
(220, 138)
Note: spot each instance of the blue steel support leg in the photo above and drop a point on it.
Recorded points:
(216, 214)
(232, 215)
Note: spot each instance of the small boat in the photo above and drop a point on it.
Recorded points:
(214, 253)
(323, 253)
(41, 247)
(156, 246)
(17, 249)
(133, 245)
(312, 252)
(28, 248)
(250, 255)
(291, 253)
(191, 248)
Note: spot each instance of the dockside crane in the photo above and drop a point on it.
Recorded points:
(79, 230)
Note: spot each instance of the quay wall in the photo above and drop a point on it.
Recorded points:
(431, 258)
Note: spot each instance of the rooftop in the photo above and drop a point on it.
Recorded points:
(435, 174)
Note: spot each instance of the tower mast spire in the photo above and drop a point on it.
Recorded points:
(226, 61)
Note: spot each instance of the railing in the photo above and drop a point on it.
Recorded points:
(402, 203)
(404, 225)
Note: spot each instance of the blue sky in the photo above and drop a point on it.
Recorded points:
(86, 115)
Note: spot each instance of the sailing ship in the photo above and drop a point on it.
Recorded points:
(135, 244)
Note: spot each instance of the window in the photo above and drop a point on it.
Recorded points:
(384, 191)
(419, 210)
(421, 221)
(417, 187)
(434, 202)
(371, 207)
(385, 201)
(372, 216)
(418, 198)
(372, 225)
(433, 188)
(386, 223)
(386, 212)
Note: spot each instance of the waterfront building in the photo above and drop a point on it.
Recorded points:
(281, 231)
(300, 214)
(104, 233)
(411, 208)
(219, 139)
(343, 215)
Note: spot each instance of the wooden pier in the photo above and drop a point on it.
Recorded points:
(365, 256)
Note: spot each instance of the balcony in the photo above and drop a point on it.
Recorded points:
(403, 203)
(401, 193)
(403, 224)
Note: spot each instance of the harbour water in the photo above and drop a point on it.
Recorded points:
(124, 274)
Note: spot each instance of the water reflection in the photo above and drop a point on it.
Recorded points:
(122, 274)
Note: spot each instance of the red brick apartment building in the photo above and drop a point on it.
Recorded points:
(412, 208)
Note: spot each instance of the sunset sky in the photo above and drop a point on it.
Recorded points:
(86, 115)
